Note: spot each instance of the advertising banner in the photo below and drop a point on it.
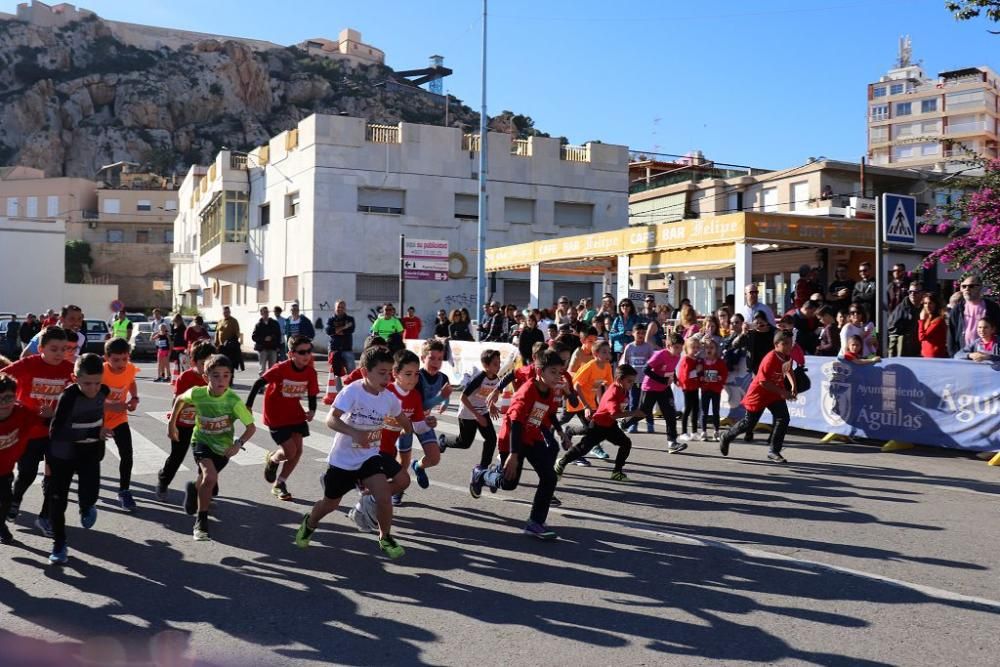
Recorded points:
(461, 360)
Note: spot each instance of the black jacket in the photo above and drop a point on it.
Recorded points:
(956, 323)
(264, 329)
(343, 341)
(527, 339)
(493, 329)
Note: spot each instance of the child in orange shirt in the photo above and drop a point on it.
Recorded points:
(119, 377)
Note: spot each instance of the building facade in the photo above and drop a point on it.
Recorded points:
(316, 216)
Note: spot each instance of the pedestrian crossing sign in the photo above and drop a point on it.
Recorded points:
(899, 219)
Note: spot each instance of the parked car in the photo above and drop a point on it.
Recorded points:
(136, 318)
(142, 345)
(97, 332)
(4, 323)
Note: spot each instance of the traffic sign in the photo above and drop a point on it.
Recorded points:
(425, 249)
(440, 265)
(899, 219)
(420, 274)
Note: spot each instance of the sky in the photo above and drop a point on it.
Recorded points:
(767, 84)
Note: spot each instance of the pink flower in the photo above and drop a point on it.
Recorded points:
(942, 228)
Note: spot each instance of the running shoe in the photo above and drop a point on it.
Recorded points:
(304, 533)
(650, 428)
(599, 453)
(634, 428)
(715, 436)
(724, 443)
(44, 525)
(390, 548)
(360, 519)
(15, 509)
(567, 440)
(555, 502)
(270, 468)
(704, 436)
(559, 467)
(476, 483)
(280, 491)
(89, 517)
(161, 493)
(59, 556)
(200, 532)
(422, 480)
(673, 447)
(442, 442)
(397, 499)
(126, 501)
(619, 476)
(6, 537)
(776, 457)
(583, 463)
(684, 437)
(539, 530)
(190, 498)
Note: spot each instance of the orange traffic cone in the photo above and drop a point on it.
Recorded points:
(331, 389)
(505, 401)
(175, 373)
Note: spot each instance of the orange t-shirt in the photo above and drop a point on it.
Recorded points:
(590, 377)
(119, 384)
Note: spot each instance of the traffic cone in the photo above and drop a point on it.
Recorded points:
(331, 389)
(505, 401)
(175, 373)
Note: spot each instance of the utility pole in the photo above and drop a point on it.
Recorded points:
(481, 229)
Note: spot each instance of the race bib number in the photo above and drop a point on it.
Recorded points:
(116, 395)
(712, 376)
(216, 425)
(46, 391)
(538, 412)
(293, 389)
(372, 439)
(187, 415)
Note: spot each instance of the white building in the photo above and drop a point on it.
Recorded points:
(316, 216)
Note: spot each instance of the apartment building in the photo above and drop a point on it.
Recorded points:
(933, 123)
(316, 215)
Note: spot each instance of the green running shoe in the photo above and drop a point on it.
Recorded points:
(390, 548)
(304, 533)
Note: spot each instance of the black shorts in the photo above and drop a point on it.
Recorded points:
(338, 481)
(281, 434)
(201, 451)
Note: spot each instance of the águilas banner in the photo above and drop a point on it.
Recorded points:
(936, 402)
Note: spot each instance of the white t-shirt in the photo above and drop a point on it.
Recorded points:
(366, 412)
(867, 342)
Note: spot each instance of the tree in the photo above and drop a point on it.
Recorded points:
(974, 224)
(969, 9)
(77, 257)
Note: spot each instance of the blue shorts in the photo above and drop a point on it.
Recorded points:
(405, 442)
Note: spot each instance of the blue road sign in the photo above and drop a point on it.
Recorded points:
(899, 219)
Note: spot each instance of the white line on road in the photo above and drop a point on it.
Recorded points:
(147, 457)
(251, 454)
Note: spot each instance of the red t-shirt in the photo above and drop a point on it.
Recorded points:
(188, 379)
(353, 376)
(713, 375)
(688, 377)
(39, 385)
(533, 410)
(14, 433)
(613, 401)
(771, 370)
(523, 375)
(286, 387)
(412, 327)
(413, 407)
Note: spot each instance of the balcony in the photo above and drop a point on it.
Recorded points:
(572, 153)
(470, 142)
(237, 161)
(224, 255)
(520, 147)
(224, 231)
(970, 128)
(382, 134)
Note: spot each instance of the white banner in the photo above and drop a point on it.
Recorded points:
(462, 358)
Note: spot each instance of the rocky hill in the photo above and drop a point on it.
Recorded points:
(75, 98)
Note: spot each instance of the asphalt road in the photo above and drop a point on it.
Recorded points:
(846, 556)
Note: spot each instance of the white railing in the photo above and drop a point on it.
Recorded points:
(575, 153)
(470, 142)
(520, 148)
(382, 134)
(237, 161)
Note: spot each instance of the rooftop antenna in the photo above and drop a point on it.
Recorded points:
(905, 58)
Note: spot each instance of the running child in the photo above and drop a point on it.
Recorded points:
(217, 408)
(713, 380)
(40, 378)
(16, 422)
(476, 414)
(604, 425)
(589, 383)
(636, 354)
(287, 382)
(76, 447)
(372, 341)
(521, 438)
(436, 390)
(689, 380)
(161, 339)
(358, 417)
(656, 388)
(584, 353)
(119, 377)
(186, 420)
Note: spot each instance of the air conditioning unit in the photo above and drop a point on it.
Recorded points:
(92, 224)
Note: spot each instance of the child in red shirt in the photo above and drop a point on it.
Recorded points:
(287, 382)
(767, 392)
(411, 324)
(689, 380)
(713, 378)
(192, 377)
(15, 422)
(604, 425)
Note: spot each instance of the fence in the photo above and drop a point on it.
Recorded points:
(382, 134)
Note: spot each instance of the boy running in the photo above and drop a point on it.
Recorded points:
(15, 423)
(476, 413)
(522, 437)
(217, 408)
(287, 383)
(604, 425)
(358, 417)
(435, 389)
(119, 377)
(76, 447)
(192, 377)
(589, 383)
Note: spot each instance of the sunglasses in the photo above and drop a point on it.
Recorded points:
(7, 400)
(971, 285)
(854, 312)
(303, 352)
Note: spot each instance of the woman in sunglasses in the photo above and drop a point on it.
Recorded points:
(858, 325)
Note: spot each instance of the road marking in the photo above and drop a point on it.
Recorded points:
(251, 454)
(147, 457)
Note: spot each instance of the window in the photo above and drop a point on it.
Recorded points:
(896, 89)
(116, 236)
(929, 149)
(112, 206)
(31, 207)
(880, 111)
(877, 135)
(378, 200)
(569, 214)
(466, 207)
(769, 200)
(227, 295)
(168, 236)
(263, 291)
(52, 206)
(930, 127)
(291, 205)
(265, 215)
(878, 91)
(142, 236)
(170, 205)
(799, 198)
(206, 297)
(144, 205)
(377, 288)
(290, 288)
(927, 106)
(11, 207)
(904, 152)
(734, 202)
(964, 99)
(903, 108)
(520, 211)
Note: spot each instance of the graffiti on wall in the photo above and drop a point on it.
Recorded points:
(458, 300)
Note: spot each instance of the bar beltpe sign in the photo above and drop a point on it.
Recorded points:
(936, 402)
